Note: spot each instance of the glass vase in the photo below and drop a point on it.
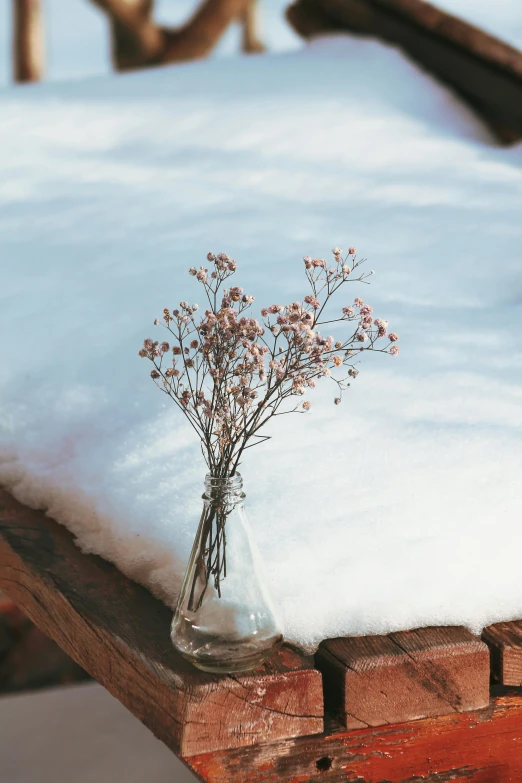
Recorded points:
(225, 620)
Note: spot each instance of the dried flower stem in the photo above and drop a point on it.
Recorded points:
(230, 374)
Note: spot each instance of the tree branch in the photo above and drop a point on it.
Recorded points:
(28, 41)
(139, 42)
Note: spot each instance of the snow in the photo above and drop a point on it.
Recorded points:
(398, 508)
(502, 18)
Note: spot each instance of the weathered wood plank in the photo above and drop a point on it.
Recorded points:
(377, 680)
(505, 642)
(119, 633)
(472, 747)
(485, 71)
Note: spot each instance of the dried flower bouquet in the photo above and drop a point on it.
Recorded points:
(230, 373)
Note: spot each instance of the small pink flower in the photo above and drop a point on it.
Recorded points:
(165, 347)
(394, 350)
(210, 257)
(311, 300)
(392, 337)
(194, 344)
(352, 251)
(143, 353)
(155, 374)
(358, 302)
(337, 400)
(307, 405)
(337, 360)
(193, 271)
(264, 312)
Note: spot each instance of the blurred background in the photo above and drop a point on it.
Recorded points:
(77, 39)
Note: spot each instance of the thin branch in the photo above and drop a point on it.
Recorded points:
(28, 41)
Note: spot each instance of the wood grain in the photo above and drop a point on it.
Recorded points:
(485, 71)
(377, 680)
(472, 747)
(119, 633)
(505, 643)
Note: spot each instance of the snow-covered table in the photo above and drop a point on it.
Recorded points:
(111, 190)
(265, 726)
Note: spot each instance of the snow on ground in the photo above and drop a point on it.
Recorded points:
(401, 507)
(502, 18)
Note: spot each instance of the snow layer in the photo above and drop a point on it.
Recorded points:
(401, 507)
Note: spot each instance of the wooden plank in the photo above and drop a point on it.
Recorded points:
(473, 747)
(378, 680)
(505, 643)
(119, 633)
(484, 70)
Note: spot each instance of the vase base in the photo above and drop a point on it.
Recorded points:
(233, 665)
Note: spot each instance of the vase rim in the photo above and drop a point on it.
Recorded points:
(231, 482)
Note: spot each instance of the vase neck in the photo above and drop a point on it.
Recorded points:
(224, 489)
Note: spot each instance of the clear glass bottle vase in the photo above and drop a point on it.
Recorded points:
(225, 620)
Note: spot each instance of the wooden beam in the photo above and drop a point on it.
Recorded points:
(28, 41)
(471, 747)
(378, 680)
(484, 70)
(119, 633)
(505, 643)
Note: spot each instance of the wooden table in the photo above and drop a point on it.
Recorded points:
(267, 726)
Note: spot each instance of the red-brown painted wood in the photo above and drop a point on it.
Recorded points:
(474, 747)
(505, 643)
(119, 633)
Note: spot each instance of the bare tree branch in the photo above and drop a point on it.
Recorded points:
(28, 41)
(250, 41)
(137, 41)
